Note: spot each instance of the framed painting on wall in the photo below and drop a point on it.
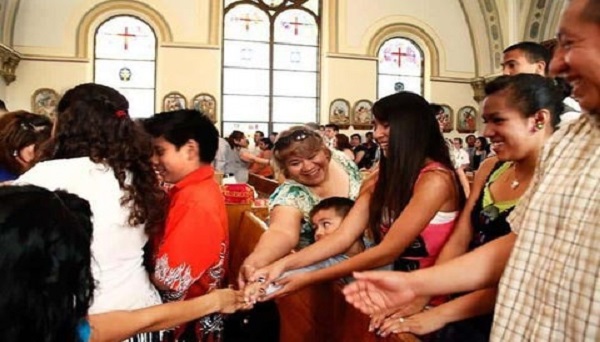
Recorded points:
(44, 102)
(466, 120)
(174, 101)
(362, 117)
(339, 113)
(205, 103)
(447, 116)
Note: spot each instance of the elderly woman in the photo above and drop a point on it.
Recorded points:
(313, 172)
(21, 135)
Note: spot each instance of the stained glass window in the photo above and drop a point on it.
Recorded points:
(125, 59)
(270, 64)
(400, 67)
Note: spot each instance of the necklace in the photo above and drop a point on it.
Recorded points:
(515, 183)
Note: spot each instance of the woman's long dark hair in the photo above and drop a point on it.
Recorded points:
(414, 136)
(485, 146)
(46, 284)
(93, 121)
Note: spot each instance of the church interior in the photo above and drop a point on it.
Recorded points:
(267, 65)
(459, 43)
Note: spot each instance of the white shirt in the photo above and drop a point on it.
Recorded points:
(122, 281)
(461, 157)
(222, 156)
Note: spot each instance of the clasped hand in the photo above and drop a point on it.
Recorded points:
(270, 282)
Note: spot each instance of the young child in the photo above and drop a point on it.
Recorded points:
(191, 255)
(326, 218)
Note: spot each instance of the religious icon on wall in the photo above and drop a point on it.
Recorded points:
(173, 101)
(398, 87)
(206, 104)
(125, 74)
(44, 102)
(446, 117)
(361, 114)
(339, 112)
(466, 120)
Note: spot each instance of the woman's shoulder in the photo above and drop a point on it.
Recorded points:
(349, 165)
(488, 165)
(290, 188)
(57, 168)
(65, 163)
(293, 194)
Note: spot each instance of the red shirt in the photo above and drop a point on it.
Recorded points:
(193, 253)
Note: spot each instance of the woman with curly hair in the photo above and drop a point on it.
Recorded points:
(101, 155)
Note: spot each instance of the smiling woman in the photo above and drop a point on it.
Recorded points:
(409, 205)
(313, 172)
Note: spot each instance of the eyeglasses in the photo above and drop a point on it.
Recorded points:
(298, 135)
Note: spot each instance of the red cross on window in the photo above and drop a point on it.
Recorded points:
(247, 20)
(126, 35)
(296, 24)
(409, 53)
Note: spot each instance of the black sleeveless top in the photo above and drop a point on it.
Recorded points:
(488, 223)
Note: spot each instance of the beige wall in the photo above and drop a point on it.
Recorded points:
(442, 20)
(189, 55)
(456, 96)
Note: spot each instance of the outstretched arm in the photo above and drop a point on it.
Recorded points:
(458, 243)
(471, 305)
(119, 325)
(339, 241)
(279, 240)
(414, 218)
(375, 292)
(464, 182)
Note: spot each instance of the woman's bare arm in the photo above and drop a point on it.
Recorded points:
(119, 325)
(458, 243)
(279, 240)
(414, 218)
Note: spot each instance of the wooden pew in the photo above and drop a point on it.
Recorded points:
(316, 313)
(243, 238)
(263, 186)
(356, 324)
(321, 313)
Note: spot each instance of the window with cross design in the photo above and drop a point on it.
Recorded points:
(125, 59)
(270, 64)
(399, 67)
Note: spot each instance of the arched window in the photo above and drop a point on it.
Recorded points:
(270, 64)
(399, 67)
(125, 59)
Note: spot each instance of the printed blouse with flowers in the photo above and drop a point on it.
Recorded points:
(299, 196)
(192, 254)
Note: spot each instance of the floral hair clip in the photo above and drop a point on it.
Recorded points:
(121, 113)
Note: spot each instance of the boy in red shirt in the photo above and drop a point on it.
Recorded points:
(191, 255)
